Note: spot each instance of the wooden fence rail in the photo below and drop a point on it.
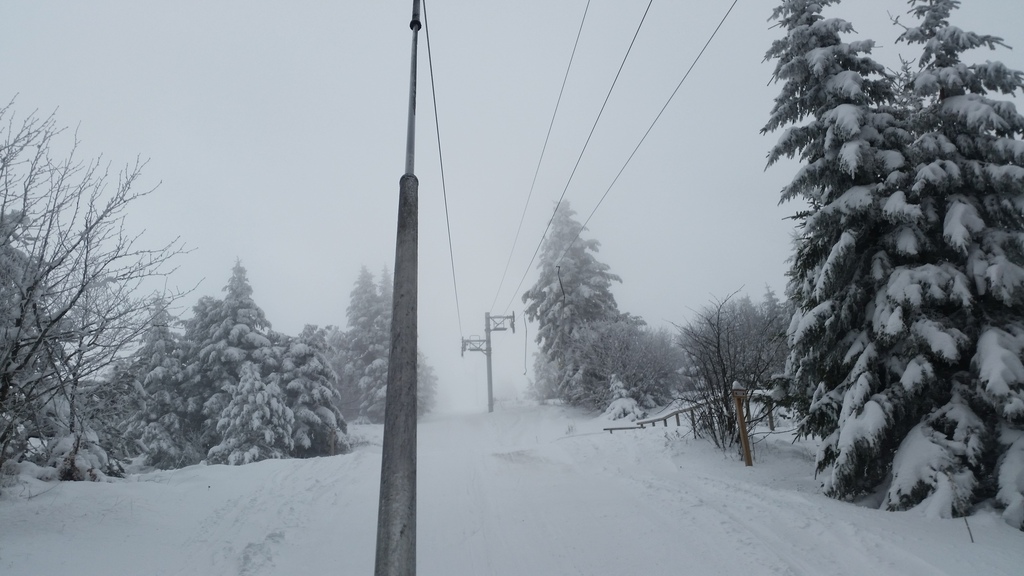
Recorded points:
(639, 424)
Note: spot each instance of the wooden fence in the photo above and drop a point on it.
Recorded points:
(741, 397)
(663, 418)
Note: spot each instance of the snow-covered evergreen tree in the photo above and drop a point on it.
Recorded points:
(958, 297)
(359, 355)
(573, 290)
(308, 381)
(907, 277)
(834, 100)
(367, 344)
(220, 337)
(256, 424)
(337, 354)
(162, 422)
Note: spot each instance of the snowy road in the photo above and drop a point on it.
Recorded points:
(520, 493)
(524, 491)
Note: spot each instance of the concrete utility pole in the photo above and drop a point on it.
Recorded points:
(491, 324)
(396, 513)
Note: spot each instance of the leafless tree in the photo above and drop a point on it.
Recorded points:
(71, 275)
(731, 340)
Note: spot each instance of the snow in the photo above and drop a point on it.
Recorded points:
(865, 425)
(975, 110)
(525, 490)
(943, 282)
(855, 397)
(894, 324)
(850, 154)
(961, 221)
(918, 371)
(842, 247)
(906, 241)
(624, 408)
(1011, 477)
(998, 361)
(939, 173)
(846, 119)
(854, 200)
(846, 84)
(897, 208)
(943, 341)
(1009, 173)
(802, 322)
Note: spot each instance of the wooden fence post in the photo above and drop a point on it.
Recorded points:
(739, 394)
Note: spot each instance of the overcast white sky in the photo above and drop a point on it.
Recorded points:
(276, 131)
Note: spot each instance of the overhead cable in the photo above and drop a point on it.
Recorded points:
(649, 128)
(583, 151)
(543, 149)
(440, 159)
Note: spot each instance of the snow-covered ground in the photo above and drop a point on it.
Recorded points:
(526, 490)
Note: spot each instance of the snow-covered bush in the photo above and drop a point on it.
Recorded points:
(643, 363)
(622, 406)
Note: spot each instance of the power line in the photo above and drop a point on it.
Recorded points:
(583, 151)
(440, 159)
(541, 159)
(649, 128)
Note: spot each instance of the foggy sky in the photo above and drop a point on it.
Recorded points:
(275, 133)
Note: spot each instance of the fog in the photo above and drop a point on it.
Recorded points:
(275, 134)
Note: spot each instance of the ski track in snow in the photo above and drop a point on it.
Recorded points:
(523, 491)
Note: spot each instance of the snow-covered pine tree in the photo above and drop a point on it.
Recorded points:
(308, 381)
(374, 383)
(844, 368)
(196, 390)
(907, 338)
(220, 337)
(337, 355)
(955, 298)
(573, 290)
(162, 423)
(359, 355)
(367, 345)
(256, 424)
